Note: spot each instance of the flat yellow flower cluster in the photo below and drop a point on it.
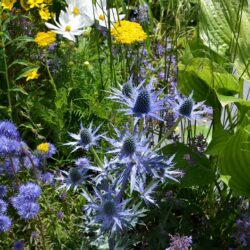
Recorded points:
(127, 32)
(43, 147)
(44, 39)
(8, 4)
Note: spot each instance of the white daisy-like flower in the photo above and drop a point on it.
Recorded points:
(99, 12)
(77, 8)
(69, 26)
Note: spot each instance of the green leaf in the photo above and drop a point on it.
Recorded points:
(195, 165)
(206, 79)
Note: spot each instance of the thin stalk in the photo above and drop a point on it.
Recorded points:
(14, 172)
(98, 160)
(42, 232)
(6, 69)
(52, 82)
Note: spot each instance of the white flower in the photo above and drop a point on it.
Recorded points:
(99, 13)
(79, 8)
(68, 25)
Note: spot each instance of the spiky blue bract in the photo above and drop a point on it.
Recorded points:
(9, 130)
(3, 207)
(73, 178)
(5, 223)
(9, 147)
(85, 139)
(186, 107)
(180, 242)
(144, 103)
(109, 212)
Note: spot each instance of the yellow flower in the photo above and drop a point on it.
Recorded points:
(32, 75)
(44, 39)
(44, 13)
(34, 3)
(24, 4)
(127, 32)
(8, 4)
(43, 147)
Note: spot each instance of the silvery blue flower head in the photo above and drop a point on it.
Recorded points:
(28, 210)
(180, 242)
(109, 212)
(9, 147)
(5, 223)
(185, 107)
(9, 130)
(124, 92)
(85, 139)
(3, 207)
(128, 147)
(145, 103)
(73, 178)
(30, 191)
(11, 166)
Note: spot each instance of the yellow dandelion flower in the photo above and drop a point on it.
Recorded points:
(8, 4)
(43, 147)
(32, 75)
(44, 39)
(45, 14)
(127, 32)
(35, 3)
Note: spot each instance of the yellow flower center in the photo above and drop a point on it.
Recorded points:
(68, 28)
(76, 11)
(102, 17)
(43, 147)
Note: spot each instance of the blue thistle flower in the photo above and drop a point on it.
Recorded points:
(185, 107)
(109, 212)
(146, 192)
(3, 207)
(5, 223)
(11, 166)
(144, 103)
(85, 139)
(128, 147)
(3, 191)
(9, 147)
(18, 245)
(180, 242)
(30, 191)
(28, 210)
(47, 178)
(73, 178)
(9, 130)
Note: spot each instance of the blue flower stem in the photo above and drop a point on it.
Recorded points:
(141, 121)
(13, 170)
(123, 188)
(98, 160)
(111, 243)
(170, 131)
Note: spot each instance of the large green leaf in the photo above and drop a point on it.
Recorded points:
(195, 165)
(225, 28)
(233, 153)
(206, 79)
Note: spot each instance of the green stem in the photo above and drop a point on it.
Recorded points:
(168, 133)
(52, 82)
(99, 162)
(42, 232)
(6, 68)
